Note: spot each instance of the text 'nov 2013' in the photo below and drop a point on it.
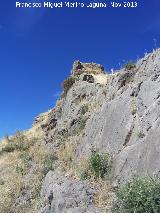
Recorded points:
(61, 4)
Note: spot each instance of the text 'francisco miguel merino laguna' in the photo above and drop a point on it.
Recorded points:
(58, 4)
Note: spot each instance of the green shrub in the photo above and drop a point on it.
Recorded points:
(82, 124)
(9, 148)
(130, 65)
(20, 170)
(78, 125)
(49, 163)
(2, 182)
(99, 166)
(141, 195)
(67, 84)
(84, 109)
(19, 142)
(26, 158)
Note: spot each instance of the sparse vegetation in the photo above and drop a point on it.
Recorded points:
(78, 125)
(67, 84)
(49, 163)
(22, 169)
(84, 109)
(104, 197)
(18, 142)
(133, 107)
(82, 124)
(98, 166)
(130, 65)
(140, 134)
(139, 195)
(66, 155)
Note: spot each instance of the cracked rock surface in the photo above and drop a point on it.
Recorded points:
(118, 113)
(64, 195)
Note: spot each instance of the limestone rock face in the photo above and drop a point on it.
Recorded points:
(64, 195)
(118, 113)
(129, 124)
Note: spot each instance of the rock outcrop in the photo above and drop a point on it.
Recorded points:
(65, 195)
(123, 117)
(117, 113)
(87, 68)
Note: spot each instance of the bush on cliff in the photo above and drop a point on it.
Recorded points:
(139, 195)
(130, 65)
(98, 165)
(19, 142)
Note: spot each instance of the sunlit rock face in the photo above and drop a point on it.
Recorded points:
(117, 113)
(122, 117)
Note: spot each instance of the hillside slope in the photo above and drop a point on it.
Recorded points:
(114, 115)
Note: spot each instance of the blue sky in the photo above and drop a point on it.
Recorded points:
(38, 47)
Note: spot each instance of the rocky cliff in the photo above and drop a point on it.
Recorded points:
(117, 114)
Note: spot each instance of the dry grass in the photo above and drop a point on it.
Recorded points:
(133, 107)
(104, 197)
(69, 164)
(80, 169)
(21, 173)
(66, 155)
(11, 181)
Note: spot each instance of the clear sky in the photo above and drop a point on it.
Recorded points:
(38, 47)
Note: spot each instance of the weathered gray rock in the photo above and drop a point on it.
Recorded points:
(65, 195)
(120, 116)
(126, 125)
